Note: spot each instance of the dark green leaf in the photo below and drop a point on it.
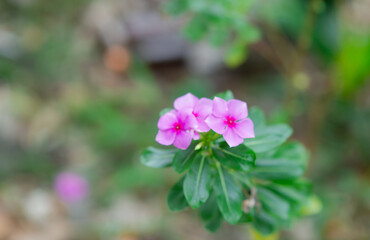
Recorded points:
(287, 163)
(197, 182)
(275, 205)
(157, 158)
(246, 218)
(264, 223)
(229, 196)
(269, 138)
(175, 198)
(228, 95)
(183, 159)
(237, 158)
(210, 214)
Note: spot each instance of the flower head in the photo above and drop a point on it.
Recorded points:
(176, 127)
(229, 118)
(200, 108)
(71, 187)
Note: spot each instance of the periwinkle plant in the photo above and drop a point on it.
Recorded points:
(236, 168)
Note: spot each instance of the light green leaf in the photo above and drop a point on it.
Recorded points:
(227, 95)
(157, 158)
(237, 158)
(258, 118)
(229, 196)
(183, 159)
(197, 182)
(175, 198)
(287, 163)
(164, 111)
(269, 138)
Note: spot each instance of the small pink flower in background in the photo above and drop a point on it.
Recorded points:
(176, 127)
(230, 120)
(200, 108)
(71, 187)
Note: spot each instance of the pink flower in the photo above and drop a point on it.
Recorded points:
(200, 108)
(177, 128)
(71, 187)
(230, 120)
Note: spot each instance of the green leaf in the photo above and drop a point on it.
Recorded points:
(183, 159)
(229, 196)
(246, 218)
(164, 111)
(312, 206)
(275, 204)
(210, 214)
(176, 7)
(197, 182)
(287, 163)
(264, 223)
(258, 118)
(269, 138)
(227, 95)
(175, 198)
(238, 158)
(255, 235)
(196, 28)
(157, 158)
(236, 54)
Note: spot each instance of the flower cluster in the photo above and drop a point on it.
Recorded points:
(192, 116)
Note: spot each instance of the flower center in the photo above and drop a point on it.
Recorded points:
(230, 121)
(177, 126)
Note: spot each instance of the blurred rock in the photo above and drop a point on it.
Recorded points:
(38, 206)
(10, 46)
(203, 58)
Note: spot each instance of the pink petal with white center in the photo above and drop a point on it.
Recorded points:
(183, 139)
(216, 124)
(186, 101)
(203, 108)
(187, 119)
(166, 137)
(244, 128)
(232, 138)
(237, 109)
(202, 126)
(167, 120)
(196, 135)
(219, 107)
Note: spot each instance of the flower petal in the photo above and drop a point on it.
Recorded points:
(232, 138)
(219, 107)
(244, 128)
(187, 119)
(167, 120)
(186, 101)
(183, 139)
(196, 135)
(237, 109)
(216, 124)
(203, 108)
(165, 137)
(202, 126)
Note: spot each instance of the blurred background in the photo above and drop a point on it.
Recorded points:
(82, 83)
